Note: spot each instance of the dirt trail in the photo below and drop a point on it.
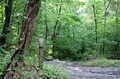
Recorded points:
(78, 72)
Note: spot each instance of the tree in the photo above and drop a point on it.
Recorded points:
(8, 10)
(117, 26)
(17, 60)
(105, 18)
(95, 20)
(46, 23)
(55, 31)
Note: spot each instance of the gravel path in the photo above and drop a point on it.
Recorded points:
(78, 72)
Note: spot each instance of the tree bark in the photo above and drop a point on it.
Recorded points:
(46, 33)
(40, 56)
(25, 37)
(95, 21)
(5, 31)
(117, 27)
(105, 18)
(55, 28)
(46, 23)
(56, 23)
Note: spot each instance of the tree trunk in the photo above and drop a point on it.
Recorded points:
(117, 27)
(5, 31)
(104, 33)
(55, 29)
(40, 56)
(95, 21)
(105, 18)
(73, 28)
(46, 32)
(25, 37)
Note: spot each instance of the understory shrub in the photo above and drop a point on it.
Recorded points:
(102, 62)
(48, 72)
(53, 72)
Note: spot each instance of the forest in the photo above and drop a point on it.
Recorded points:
(36, 35)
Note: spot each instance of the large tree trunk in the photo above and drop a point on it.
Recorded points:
(5, 30)
(25, 37)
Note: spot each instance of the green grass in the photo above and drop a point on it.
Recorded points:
(53, 72)
(48, 71)
(102, 63)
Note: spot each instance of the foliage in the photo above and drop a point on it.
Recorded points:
(75, 32)
(54, 72)
(102, 62)
(73, 29)
(4, 59)
(48, 72)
